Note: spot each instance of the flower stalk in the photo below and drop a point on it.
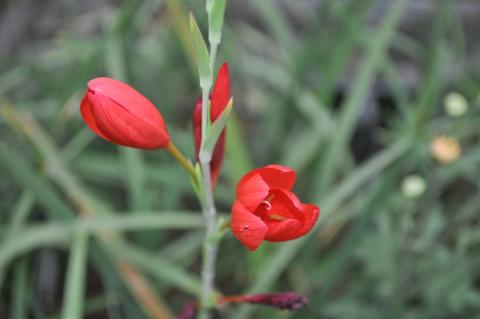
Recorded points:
(215, 10)
(209, 245)
(175, 152)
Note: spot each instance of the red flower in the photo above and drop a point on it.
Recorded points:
(218, 102)
(265, 209)
(120, 114)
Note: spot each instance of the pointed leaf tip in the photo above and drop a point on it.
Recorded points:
(201, 54)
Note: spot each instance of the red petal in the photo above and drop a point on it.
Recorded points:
(129, 99)
(221, 92)
(121, 127)
(283, 231)
(287, 230)
(311, 214)
(247, 228)
(277, 176)
(251, 191)
(87, 115)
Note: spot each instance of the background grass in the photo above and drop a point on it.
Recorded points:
(348, 93)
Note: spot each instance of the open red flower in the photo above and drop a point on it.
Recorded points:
(218, 102)
(265, 209)
(121, 115)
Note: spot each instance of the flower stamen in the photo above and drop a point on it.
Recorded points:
(268, 204)
(278, 217)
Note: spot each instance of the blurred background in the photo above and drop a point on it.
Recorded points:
(375, 103)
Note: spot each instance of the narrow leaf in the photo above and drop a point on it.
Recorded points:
(214, 132)
(201, 54)
(75, 283)
(20, 290)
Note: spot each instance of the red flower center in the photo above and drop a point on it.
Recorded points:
(268, 211)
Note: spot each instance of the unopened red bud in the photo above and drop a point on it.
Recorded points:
(121, 115)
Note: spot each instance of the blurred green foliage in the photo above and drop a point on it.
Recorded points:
(305, 77)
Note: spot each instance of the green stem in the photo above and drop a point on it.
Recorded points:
(210, 244)
(213, 54)
(175, 152)
(209, 211)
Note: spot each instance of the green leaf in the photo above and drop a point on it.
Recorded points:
(201, 55)
(73, 297)
(215, 21)
(20, 290)
(213, 134)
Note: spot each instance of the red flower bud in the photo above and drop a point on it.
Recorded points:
(218, 102)
(282, 300)
(265, 209)
(120, 114)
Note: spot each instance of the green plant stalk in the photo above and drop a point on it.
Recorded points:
(210, 247)
(210, 244)
(213, 53)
